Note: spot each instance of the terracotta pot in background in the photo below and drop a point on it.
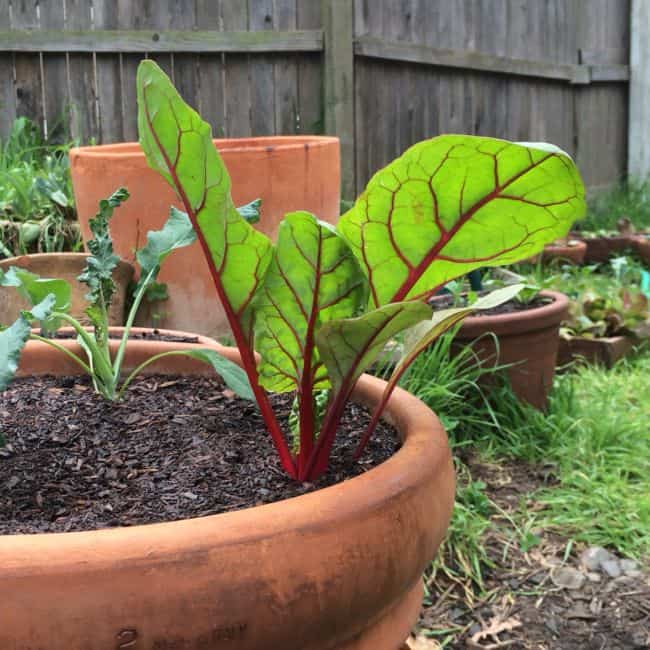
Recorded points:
(529, 339)
(600, 249)
(63, 266)
(339, 568)
(287, 173)
(641, 244)
(605, 351)
(571, 252)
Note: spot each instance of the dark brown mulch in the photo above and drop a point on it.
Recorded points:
(146, 335)
(520, 605)
(175, 448)
(510, 307)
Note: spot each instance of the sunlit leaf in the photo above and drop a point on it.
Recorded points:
(456, 203)
(313, 278)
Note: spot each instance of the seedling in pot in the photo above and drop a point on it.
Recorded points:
(50, 300)
(320, 305)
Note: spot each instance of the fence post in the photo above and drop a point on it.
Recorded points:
(338, 97)
(638, 157)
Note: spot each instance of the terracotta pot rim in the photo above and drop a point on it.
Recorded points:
(538, 318)
(124, 150)
(42, 256)
(425, 450)
(572, 244)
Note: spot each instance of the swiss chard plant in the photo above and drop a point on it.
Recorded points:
(321, 304)
(50, 300)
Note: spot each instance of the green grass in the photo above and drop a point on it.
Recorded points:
(629, 199)
(595, 434)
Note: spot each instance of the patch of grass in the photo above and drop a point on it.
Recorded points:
(595, 434)
(630, 199)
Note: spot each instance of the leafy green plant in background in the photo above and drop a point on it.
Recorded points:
(37, 212)
(321, 304)
(51, 299)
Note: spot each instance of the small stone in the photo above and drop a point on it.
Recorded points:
(593, 557)
(592, 576)
(567, 578)
(629, 567)
(612, 568)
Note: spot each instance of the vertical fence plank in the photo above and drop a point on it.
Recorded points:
(310, 86)
(211, 99)
(27, 67)
(128, 17)
(261, 17)
(109, 89)
(639, 129)
(237, 83)
(81, 75)
(339, 84)
(7, 89)
(186, 66)
(285, 73)
(55, 76)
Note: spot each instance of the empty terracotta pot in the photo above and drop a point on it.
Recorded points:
(600, 249)
(605, 351)
(339, 568)
(63, 266)
(287, 173)
(528, 339)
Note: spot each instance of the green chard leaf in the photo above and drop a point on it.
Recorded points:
(178, 144)
(313, 278)
(14, 337)
(176, 233)
(457, 203)
(349, 346)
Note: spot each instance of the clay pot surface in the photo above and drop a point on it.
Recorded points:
(339, 568)
(286, 172)
(605, 351)
(641, 244)
(572, 253)
(600, 249)
(529, 339)
(63, 266)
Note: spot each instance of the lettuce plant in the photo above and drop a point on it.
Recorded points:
(320, 305)
(50, 300)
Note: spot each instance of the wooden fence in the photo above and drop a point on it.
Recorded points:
(380, 74)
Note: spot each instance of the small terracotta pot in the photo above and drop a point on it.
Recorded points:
(63, 266)
(286, 172)
(339, 568)
(605, 351)
(528, 339)
(600, 249)
(572, 252)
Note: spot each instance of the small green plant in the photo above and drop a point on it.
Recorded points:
(50, 299)
(37, 212)
(320, 305)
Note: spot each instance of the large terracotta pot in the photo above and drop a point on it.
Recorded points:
(339, 568)
(63, 266)
(287, 173)
(571, 252)
(528, 339)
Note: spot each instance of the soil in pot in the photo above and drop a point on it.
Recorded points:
(174, 448)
